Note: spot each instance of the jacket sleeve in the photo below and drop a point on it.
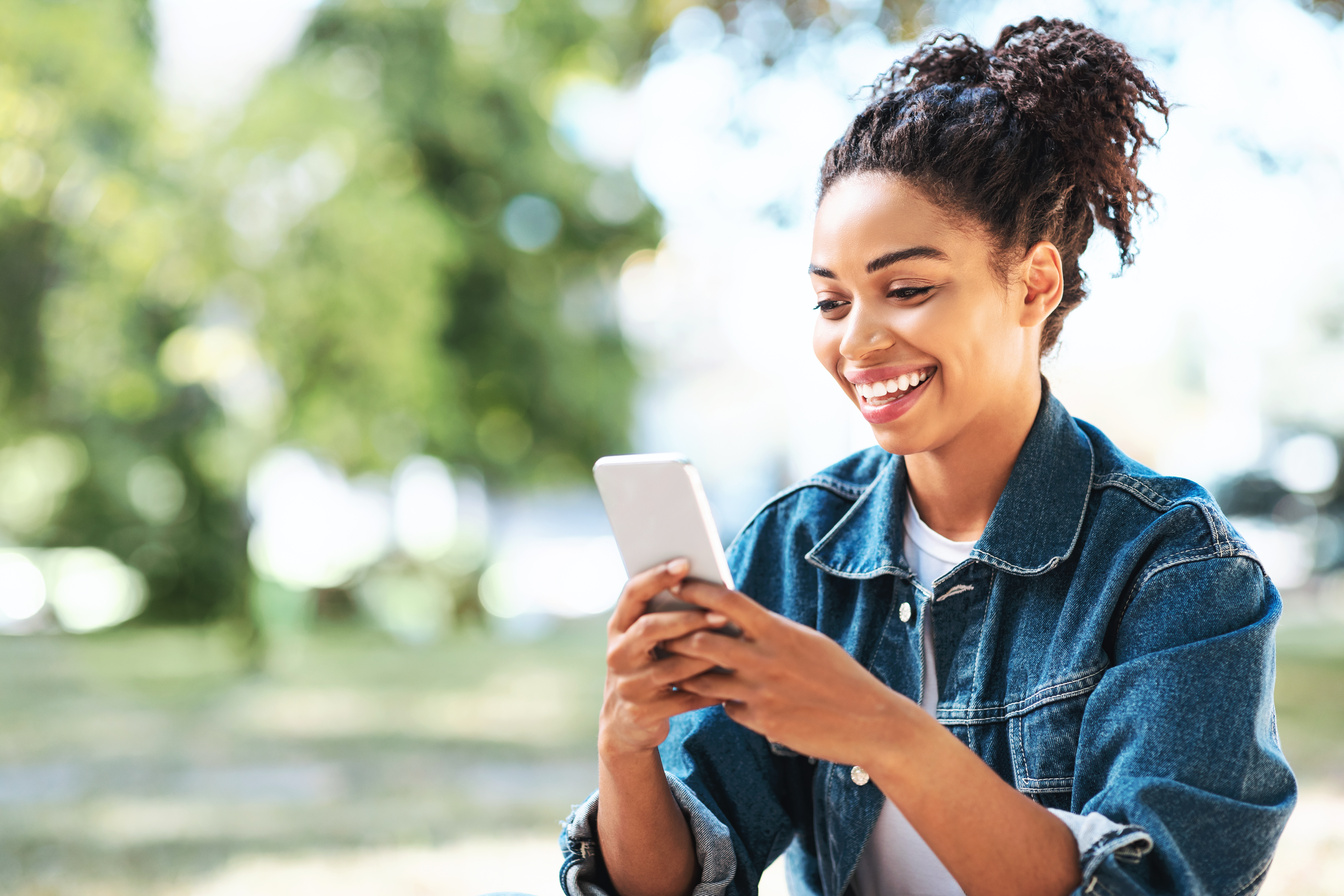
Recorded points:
(1178, 755)
(743, 799)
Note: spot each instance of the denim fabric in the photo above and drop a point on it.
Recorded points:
(1107, 649)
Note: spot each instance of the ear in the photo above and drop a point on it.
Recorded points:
(1043, 283)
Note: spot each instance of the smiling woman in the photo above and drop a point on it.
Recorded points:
(993, 654)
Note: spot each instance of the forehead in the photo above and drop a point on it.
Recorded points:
(865, 215)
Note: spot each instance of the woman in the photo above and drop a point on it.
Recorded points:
(993, 655)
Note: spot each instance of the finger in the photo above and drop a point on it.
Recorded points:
(674, 669)
(684, 701)
(642, 641)
(671, 703)
(748, 615)
(641, 588)
(668, 624)
(717, 686)
(721, 650)
(740, 713)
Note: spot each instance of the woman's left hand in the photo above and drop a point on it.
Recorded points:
(791, 683)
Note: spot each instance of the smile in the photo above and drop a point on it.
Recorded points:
(884, 401)
(884, 392)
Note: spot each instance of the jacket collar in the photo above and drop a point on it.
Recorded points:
(1034, 527)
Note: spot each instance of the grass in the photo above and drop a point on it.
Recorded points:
(140, 757)
(136, 760)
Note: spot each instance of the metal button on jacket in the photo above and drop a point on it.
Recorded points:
(858, 776)
(905, 611)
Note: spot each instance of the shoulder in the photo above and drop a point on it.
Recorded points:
(1191, 575)
(812, 506)
(1173, 516)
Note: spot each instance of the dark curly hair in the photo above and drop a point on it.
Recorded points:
(1032, 139)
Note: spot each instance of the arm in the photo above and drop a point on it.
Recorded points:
(690, 829)
(646, 844)
(795, 686)
(991, 838)
(1180, 785)
(1194, 762)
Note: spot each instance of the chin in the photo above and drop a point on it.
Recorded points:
(899, 443)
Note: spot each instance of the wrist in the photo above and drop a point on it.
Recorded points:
(902, 738)
(616, 755)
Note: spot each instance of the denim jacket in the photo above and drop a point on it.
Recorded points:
(1107, 649)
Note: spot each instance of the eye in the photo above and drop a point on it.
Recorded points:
(908, 292)
(826, 305)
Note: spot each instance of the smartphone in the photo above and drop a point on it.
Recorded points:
(658, 512)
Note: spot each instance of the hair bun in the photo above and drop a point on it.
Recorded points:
(1036, 138)
(1068, 79)
(1074, 85)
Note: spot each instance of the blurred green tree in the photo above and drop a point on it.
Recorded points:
(386, 252)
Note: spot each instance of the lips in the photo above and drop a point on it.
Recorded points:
(888, 406)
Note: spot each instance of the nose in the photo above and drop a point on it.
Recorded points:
(865, 333)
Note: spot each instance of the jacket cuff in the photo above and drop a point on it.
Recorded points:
(584, 874)
(1099, 839)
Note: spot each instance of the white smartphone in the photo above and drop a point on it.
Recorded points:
(658, 512)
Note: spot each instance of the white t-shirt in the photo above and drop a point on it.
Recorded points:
(897, 861)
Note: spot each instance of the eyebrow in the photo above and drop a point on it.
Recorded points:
(887, 260)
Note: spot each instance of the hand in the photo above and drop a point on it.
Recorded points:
(640, 695)
(792, 684)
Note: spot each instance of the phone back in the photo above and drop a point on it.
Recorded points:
(658, 512)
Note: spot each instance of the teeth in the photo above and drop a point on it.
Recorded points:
(879, 390)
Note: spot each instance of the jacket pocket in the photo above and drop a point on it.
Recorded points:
(1043, 742)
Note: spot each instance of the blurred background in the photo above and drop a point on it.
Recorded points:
(314, 317)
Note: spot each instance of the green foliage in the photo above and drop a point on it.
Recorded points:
(332, 270)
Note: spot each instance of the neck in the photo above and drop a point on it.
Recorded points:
(956, 485)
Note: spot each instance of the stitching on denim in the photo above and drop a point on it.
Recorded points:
(569, 863)
(1193, 555)
(1136, 487)
(1017, 752)
(836, 488)
(1073, 543)
(1217, 532)
(1029, 783)
(1009, 566)
(858, 576)
(810, 556)
(1051, 693)
(839, 486)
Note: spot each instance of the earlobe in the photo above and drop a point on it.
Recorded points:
(1043, 279)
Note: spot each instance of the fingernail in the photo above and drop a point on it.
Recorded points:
(716, 618)
(678, 566)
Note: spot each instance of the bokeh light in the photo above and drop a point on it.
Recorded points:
(23, 591)
(91, 589)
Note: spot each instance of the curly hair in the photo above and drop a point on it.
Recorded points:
(1033, 139)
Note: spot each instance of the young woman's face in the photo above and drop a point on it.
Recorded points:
(912, 322)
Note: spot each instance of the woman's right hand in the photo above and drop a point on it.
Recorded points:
(640, 696)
